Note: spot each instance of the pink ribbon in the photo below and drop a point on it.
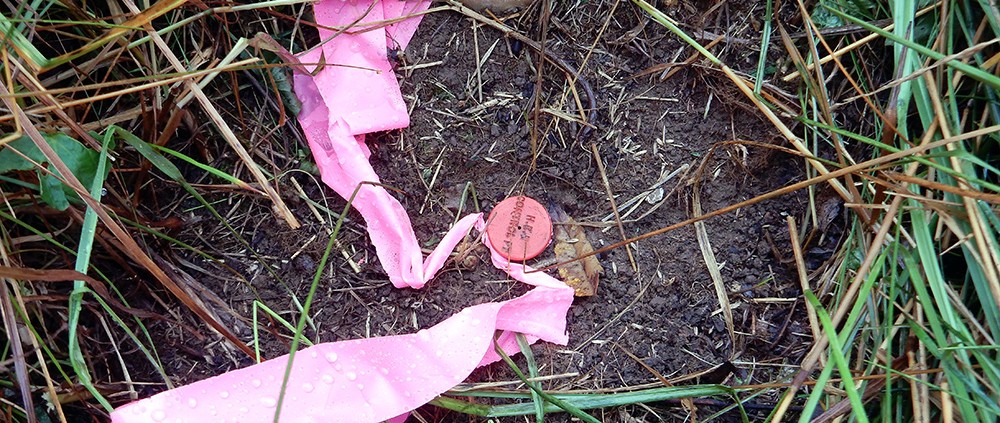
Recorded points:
(368, 380)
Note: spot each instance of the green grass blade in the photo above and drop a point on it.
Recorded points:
(565, 406)
(172, 172)
(974, 72)
(837, 356)
(300, 326)
(529, 357)
(87, 232)
(580, 401)
(765, 42)
(274, 315)
(12, 38)
(209, 169)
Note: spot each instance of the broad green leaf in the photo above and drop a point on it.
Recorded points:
(11, 161)
(80, 160)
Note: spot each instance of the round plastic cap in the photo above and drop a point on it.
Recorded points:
(519, 228)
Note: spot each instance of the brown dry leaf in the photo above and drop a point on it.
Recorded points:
(571, 243)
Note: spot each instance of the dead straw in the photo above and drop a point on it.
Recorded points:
(227, 133)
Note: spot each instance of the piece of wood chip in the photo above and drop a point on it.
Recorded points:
(571, 243)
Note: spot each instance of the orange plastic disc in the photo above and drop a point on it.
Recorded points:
(519, 228)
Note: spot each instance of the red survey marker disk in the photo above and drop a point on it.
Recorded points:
(519, 228)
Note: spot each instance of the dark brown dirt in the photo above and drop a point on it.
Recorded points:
(664, 312)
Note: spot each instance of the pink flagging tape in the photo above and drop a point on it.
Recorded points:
(375, 379)
(356, 93)
(364, 380)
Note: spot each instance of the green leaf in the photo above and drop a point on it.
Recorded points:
(11, 161)
(824, 19)
(284, 85)
(81, 161)
(52, 192)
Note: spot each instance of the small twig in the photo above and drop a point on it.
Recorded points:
(539, 78)
(573, 73)
(823, 97)
(614, 207)
(674, 67)
(688, 403)
(873, 390)
(227, 133)
(800, 265)
(866, 165)
(920, 392)
(853, 46)
(705, 245)
(10, 325)
(783, 330)
(628, 308)
(826, 32)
